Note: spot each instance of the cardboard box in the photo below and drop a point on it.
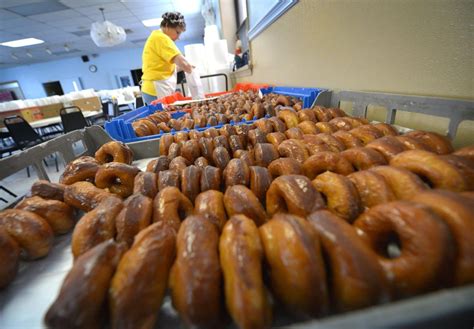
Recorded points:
(5, 114)
(88, 104)
(32, 114)
(51, 110)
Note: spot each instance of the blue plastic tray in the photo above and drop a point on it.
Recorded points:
(121, 128)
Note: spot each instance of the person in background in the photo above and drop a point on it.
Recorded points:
(160, 58)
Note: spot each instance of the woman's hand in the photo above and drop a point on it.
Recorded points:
(183, 63)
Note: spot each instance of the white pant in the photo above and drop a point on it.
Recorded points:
(166, 87)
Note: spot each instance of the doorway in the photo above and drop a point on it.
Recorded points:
(53, 88)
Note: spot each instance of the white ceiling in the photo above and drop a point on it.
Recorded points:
(69, 21)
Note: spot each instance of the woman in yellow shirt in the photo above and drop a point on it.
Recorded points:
(160, 58)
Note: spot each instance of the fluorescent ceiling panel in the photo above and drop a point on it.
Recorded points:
(152, 22)
(22, 42)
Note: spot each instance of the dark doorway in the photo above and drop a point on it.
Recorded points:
(137, 76)
(53, 88)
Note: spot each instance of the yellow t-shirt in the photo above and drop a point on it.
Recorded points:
(157, 59)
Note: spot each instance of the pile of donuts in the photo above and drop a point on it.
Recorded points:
(233, 107)
(318, 217)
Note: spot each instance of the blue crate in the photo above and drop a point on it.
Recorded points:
(307, 95)
(121, 128)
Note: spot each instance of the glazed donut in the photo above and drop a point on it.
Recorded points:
(437, 171)
(293, 254)
(31, 231)
(165, 143)
(190, 150)
(159, 164)
(386, 129)
(256, 136)
(366, 133)
(258, 110)
(9, 258)
(190, 276)
(294, 133)
(264, 154)
(326, 161)
(83, 168)
(457, 211)
(293, 194)
(220, 157)
(175, 150)
(221, 141)
(347, 139)
(146, 183)
(48, 190)
(247, 156)
(260, 180)
(194, 134)
(211, 132)
(238, 199)
(170, 206)
(168, 178)
(178, 164)
(59, 215)
(326, 127)
(388, 146)
(466, 152)
(465, 167)
(206, 147)
(201, 162)
(336, 112)
(438, 143)
(306, 115)
(293, 148)
(403, 183)
(372, 188)
(334, 144)
(308, 127)
(236, 172)
(180, 137)
(243, 280)
(190, 182)
(315, 144)
(288, 117)
(80, 301)
(276, 138)
(141, 128)
(413, 143)
(424, 240)
(283, 100)
(210, 204)
(117, 177)
(84, 195)
(235, 143)
(277, 124)
(363, 158)
(340, 193)
(264, 126)
(357, 279)
(322, 114)
(135, 216)
(210, 178)
(96, 226)
(114, 152)
(284, 166)
(343, 123)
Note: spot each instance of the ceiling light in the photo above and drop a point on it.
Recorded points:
(107, 34)
(22, 42)
(29, 54)
(66, 47)
(14, 56)
(152, 22)
(49, 51)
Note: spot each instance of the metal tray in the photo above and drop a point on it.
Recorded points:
(25, 301)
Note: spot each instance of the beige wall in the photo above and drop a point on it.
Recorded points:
(423, 47)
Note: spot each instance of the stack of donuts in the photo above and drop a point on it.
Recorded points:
(310, 210)
(234, 107)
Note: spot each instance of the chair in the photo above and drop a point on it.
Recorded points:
(72, 118)
(7, 145)
(139, 102)
(24, 135)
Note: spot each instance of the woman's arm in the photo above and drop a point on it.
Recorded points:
(183, 63)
